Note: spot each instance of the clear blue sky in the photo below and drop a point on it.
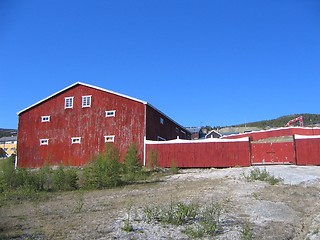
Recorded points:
(201, 62)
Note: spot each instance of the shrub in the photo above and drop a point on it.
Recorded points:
(65, 179)
(7, 174)
(132, 167)
(104, 171)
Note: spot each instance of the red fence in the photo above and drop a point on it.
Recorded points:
(279, 132)
(200, 153)
(307, 150)
(304, 150)
(272, 153)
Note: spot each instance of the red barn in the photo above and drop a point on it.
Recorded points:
(73, 125)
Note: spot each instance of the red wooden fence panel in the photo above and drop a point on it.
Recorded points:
(272, 153)
(307, 150)
(200, 153)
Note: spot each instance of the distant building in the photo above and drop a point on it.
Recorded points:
(213, 134)
(195, 132)
(73, 125)
(9, 145)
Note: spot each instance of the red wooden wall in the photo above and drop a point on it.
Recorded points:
(91, 124)
(201, 153)
(272, 153)
(133, 120)
(307, 150)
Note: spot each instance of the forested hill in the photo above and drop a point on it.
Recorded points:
(7, 132)
(308, 119)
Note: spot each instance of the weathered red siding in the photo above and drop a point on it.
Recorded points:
(308, 151)
(192, 154)
(90, 124)
(272, 153)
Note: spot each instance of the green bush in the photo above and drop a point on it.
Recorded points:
(7, 174)
(104, 171)
(131, 165)
(65, 179)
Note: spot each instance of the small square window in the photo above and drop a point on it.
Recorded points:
(162, 121)
(68, 102)
(111, 113)
(76, 140)
(86, 101)
(45, 119)
(109, 138)
(44, 141)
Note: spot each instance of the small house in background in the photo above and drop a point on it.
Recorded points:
(9, 145)
(73, 125)
(213, 134)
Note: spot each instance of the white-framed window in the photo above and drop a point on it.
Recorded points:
(76, 140)
(68, 102)
(161, 138)
(111, 113)
(161, 120)
(45, 118)
(86, 101)
(109, 138)
(44, 141)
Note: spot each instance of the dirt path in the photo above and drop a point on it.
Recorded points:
(289, 210)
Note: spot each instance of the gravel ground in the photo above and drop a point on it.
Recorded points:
(288, 210)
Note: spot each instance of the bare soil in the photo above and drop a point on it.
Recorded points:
(288, 210)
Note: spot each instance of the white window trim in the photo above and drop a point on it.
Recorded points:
(65, 102)
(45, 118)
(85, 101)
(161, 120)
(76, 140)
(109, 138)
(44, 141)
(111, 112)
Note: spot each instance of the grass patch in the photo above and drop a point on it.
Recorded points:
(262, 175)
(198, 222)
(246, 232)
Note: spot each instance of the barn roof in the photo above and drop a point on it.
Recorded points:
(98, 88)
(83, 84)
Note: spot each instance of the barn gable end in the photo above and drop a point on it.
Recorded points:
(71, 126)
